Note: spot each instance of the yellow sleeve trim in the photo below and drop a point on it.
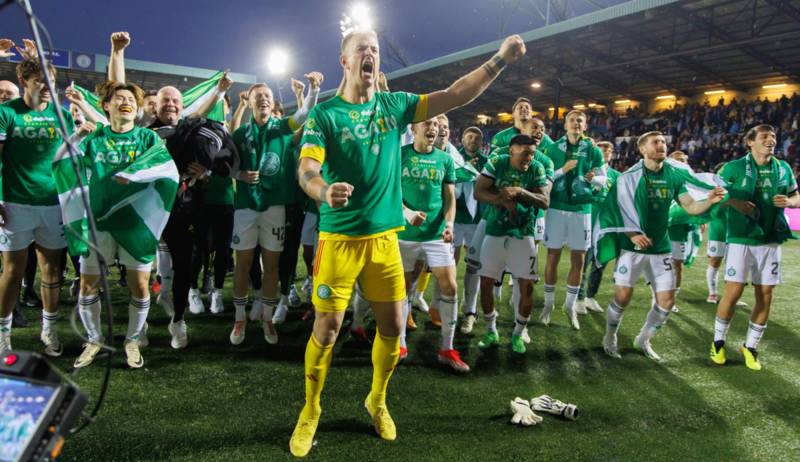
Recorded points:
(422, 109)
(313, 152)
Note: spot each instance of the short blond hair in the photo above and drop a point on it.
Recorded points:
(575, 111)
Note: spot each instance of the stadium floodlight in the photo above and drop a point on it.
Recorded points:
(536, 85)
(714, 92)
(278, 61)
(358, 19)
(622, 101)
(774, 86)
(665, 97)
(578, 106)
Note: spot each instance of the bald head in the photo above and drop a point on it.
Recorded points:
(169, 105)
(8, 91)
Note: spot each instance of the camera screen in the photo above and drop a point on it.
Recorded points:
(22, 407)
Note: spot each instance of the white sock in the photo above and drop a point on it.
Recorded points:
(404, 323)
(239, 305)
(614, 315)
(471, 282)
(165, 267)
(549, 296)
(5, 323)
(754, 334)
(491, 321)
(498, 291)
(360, 307)
(48, 320)
(448, 310)
(711, 279)
(520, 323)
(137, 316)
(655, 319)
(89, 310)
(721, 327)
(268, 306)
(572, 295)
(515, 296)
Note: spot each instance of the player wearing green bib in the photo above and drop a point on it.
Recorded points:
(525, 123)
(578, 163)
(356, 135)
(104, 151)
(521, 188)
(592, 273)
(29, 139)
(428, 184)
(260, 216)
(468, 215)
(645, 193)
(754, 240)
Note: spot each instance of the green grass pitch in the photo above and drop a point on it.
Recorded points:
(216, 402)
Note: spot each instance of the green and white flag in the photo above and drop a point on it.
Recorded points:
(135, 213)
(196, 96)
(93, 101)
(626, 204)
(465, 178)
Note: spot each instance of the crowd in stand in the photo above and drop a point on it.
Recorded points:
(708, 134)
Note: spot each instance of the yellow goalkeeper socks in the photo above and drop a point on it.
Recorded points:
(385, 351)
(317, 362)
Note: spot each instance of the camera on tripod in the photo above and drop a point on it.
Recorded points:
(37, 407)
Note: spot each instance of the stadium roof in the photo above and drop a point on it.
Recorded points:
(89, 69)
(635, 50)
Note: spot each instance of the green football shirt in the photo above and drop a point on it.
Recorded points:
(503, 138)
(663, 187)
(360, 144)
(478, 160)
(264, 149)
(218, 190)
(105, 151)
(601, 193)
(30, 141)
(424, 177)
(520, 223)
(770, 180)
(589, 158)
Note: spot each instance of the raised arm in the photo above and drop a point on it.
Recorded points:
(75, 97)
(238, 115)
(224, 84)
(299, 117)
(470, 86)
(298, 88)
(116, 62)
(694, 207)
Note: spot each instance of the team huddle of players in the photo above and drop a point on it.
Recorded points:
(382, 212)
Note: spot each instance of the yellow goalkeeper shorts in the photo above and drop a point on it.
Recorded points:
(374, 261)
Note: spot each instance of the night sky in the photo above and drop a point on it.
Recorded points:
(237, 34)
